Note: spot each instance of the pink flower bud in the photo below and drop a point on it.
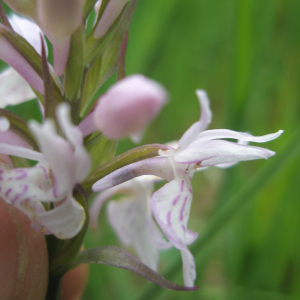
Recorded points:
(128, 106)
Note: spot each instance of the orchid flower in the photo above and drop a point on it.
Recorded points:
(62, 163)
(197, 148)
(131, 217)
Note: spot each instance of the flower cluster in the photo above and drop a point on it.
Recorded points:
(42, 166)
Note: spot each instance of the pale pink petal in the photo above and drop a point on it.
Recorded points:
(188, 264)
(217, 152)
(171, 208)
(65, 220)
(129, 219)
(132, 187)
(205, 119)
(14, 89)
(230, 134)
(112, 10)
(12, 57)
(59, 155)
(75, 136)
(87, 125)
(128, 106)
(158, 166)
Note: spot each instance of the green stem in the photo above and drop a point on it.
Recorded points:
(233, 206)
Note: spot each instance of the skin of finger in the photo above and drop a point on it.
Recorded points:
(74, 282)
(23, 257)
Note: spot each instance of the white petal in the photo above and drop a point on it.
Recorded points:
(4, 124)
(65, 220)
(188, 264)
(157, 166)
(59, 155)
(28, 30)
(21, 152)
(129, 219)
(142, 185)
(217, 152)
(205, 119)
(75, 136)
(14, 89)
(230, 134)
(171, 207)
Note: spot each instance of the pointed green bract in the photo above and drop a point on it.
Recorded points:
(75, 65)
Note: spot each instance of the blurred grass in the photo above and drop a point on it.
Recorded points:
(245, 54)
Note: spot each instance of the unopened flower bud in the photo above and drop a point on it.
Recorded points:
(111, 12)
(58, 20)
(128, 106)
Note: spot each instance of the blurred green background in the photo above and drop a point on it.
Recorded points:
(245, 54)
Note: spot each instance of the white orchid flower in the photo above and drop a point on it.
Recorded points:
(62, 163)
(198, 148)
(131, 217)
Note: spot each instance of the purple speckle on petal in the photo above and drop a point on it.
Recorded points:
(183, 227)
(45, 172)
(191, 191)
(182, 185)
(190, 178)
(182, 209)
(176, 199)
(22, 175)
(169, 218)
(7, 192)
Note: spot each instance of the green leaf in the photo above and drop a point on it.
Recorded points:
(101, 150)
(49, 97)
(105, 65)
(75, 65)
(20, 127)
(88, 6)
(31, 56)
(3, 16)
(124, 159)
(114, 256)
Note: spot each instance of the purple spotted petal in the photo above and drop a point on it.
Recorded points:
(158, 166)
(188, 263)
(215, 152)
(171, 208)
(205, 119)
